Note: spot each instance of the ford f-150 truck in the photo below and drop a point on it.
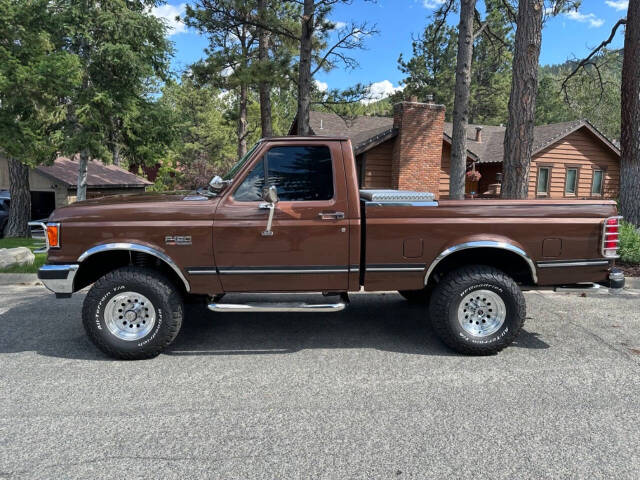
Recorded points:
(289, 217)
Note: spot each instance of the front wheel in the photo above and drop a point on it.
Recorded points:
(132, 313)
(477, 310)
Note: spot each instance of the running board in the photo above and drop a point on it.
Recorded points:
(278, 307)
(579, 287)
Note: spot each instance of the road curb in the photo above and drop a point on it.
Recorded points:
(632, 283)
(18, 279)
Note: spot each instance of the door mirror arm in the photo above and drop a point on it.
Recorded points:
(270, 197)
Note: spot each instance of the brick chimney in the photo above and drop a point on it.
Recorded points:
(417, 152)
(479, 134)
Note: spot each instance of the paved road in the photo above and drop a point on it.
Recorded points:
(366, 393)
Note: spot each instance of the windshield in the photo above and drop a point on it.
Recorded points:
(232, 173)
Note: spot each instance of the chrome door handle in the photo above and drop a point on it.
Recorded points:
(331, 215)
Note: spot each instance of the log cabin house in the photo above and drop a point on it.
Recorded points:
(411, 151)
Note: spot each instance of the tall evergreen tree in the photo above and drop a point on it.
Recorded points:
(518, 140)
(34, 73)
(461, 100)
(431, 69)
(120, 46)
(630, 121)
(233, 49)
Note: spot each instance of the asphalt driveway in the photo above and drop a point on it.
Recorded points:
(365, 393)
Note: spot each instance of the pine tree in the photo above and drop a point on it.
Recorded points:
(120, 46)
(34, 73)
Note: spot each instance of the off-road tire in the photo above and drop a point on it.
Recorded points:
(416, 296)
(166, 300)
(447, 296)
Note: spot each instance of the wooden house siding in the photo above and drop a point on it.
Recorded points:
(579, 150)
(377, 166)
(445, 169)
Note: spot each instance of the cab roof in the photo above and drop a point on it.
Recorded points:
(314, 138)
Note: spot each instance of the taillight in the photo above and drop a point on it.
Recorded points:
(611, 237)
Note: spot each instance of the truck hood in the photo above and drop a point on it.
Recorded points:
(141, 207)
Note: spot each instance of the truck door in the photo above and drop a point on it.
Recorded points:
(308, 250)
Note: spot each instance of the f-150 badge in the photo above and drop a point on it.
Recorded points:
(177, 240)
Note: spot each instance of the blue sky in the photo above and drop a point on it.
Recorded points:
(565, 36)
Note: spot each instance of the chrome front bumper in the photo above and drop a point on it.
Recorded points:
(58, 278)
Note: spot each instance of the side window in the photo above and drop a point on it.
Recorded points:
(596, 185)
(570, 181)
(543, 181)
(300, 173)
(250, 190)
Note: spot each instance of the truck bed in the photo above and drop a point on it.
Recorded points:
(403, 237)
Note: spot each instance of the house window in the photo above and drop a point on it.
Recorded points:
(596, 182)
(571, 181)
(543, 180)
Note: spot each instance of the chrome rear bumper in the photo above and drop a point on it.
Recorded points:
(58, 278)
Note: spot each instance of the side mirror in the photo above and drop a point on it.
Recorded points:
(270, 194)
(217, 184)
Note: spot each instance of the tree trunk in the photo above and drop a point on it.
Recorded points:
(630, 116)
(461, 101)
(264, 87)
(82, 176)
(242, 121)
(518, 140)
(116, 154)
(304, 78)
(20, 210)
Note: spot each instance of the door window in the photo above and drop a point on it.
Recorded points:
(301, 173)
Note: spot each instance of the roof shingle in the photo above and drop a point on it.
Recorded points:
(364, 130)
(99, 175)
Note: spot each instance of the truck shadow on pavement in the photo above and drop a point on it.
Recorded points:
(382, 322)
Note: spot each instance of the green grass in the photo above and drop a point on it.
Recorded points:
(629, 243)
(40, 260)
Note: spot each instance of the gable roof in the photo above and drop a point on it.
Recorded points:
(366, 132)
(99, 175)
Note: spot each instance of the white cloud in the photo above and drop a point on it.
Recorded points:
(431, 4)
(380, 90)
(168, 13)
(339, 25)
(322, 86)
(227, 71)
(618, 4)
(589, 18)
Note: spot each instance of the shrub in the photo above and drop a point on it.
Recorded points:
(629, 243)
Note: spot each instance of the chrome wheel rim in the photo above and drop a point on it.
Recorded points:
(130, 316)
(481, 313)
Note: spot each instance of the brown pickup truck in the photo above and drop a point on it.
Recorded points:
(289, 217)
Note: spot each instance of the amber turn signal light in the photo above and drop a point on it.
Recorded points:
(53, 235)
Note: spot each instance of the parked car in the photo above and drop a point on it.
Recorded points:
(289, 218)
(5, 202)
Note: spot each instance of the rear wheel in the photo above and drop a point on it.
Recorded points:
(132, 313)
(477, 310)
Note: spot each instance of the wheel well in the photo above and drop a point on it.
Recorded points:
(99, 264)
(509, 262)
